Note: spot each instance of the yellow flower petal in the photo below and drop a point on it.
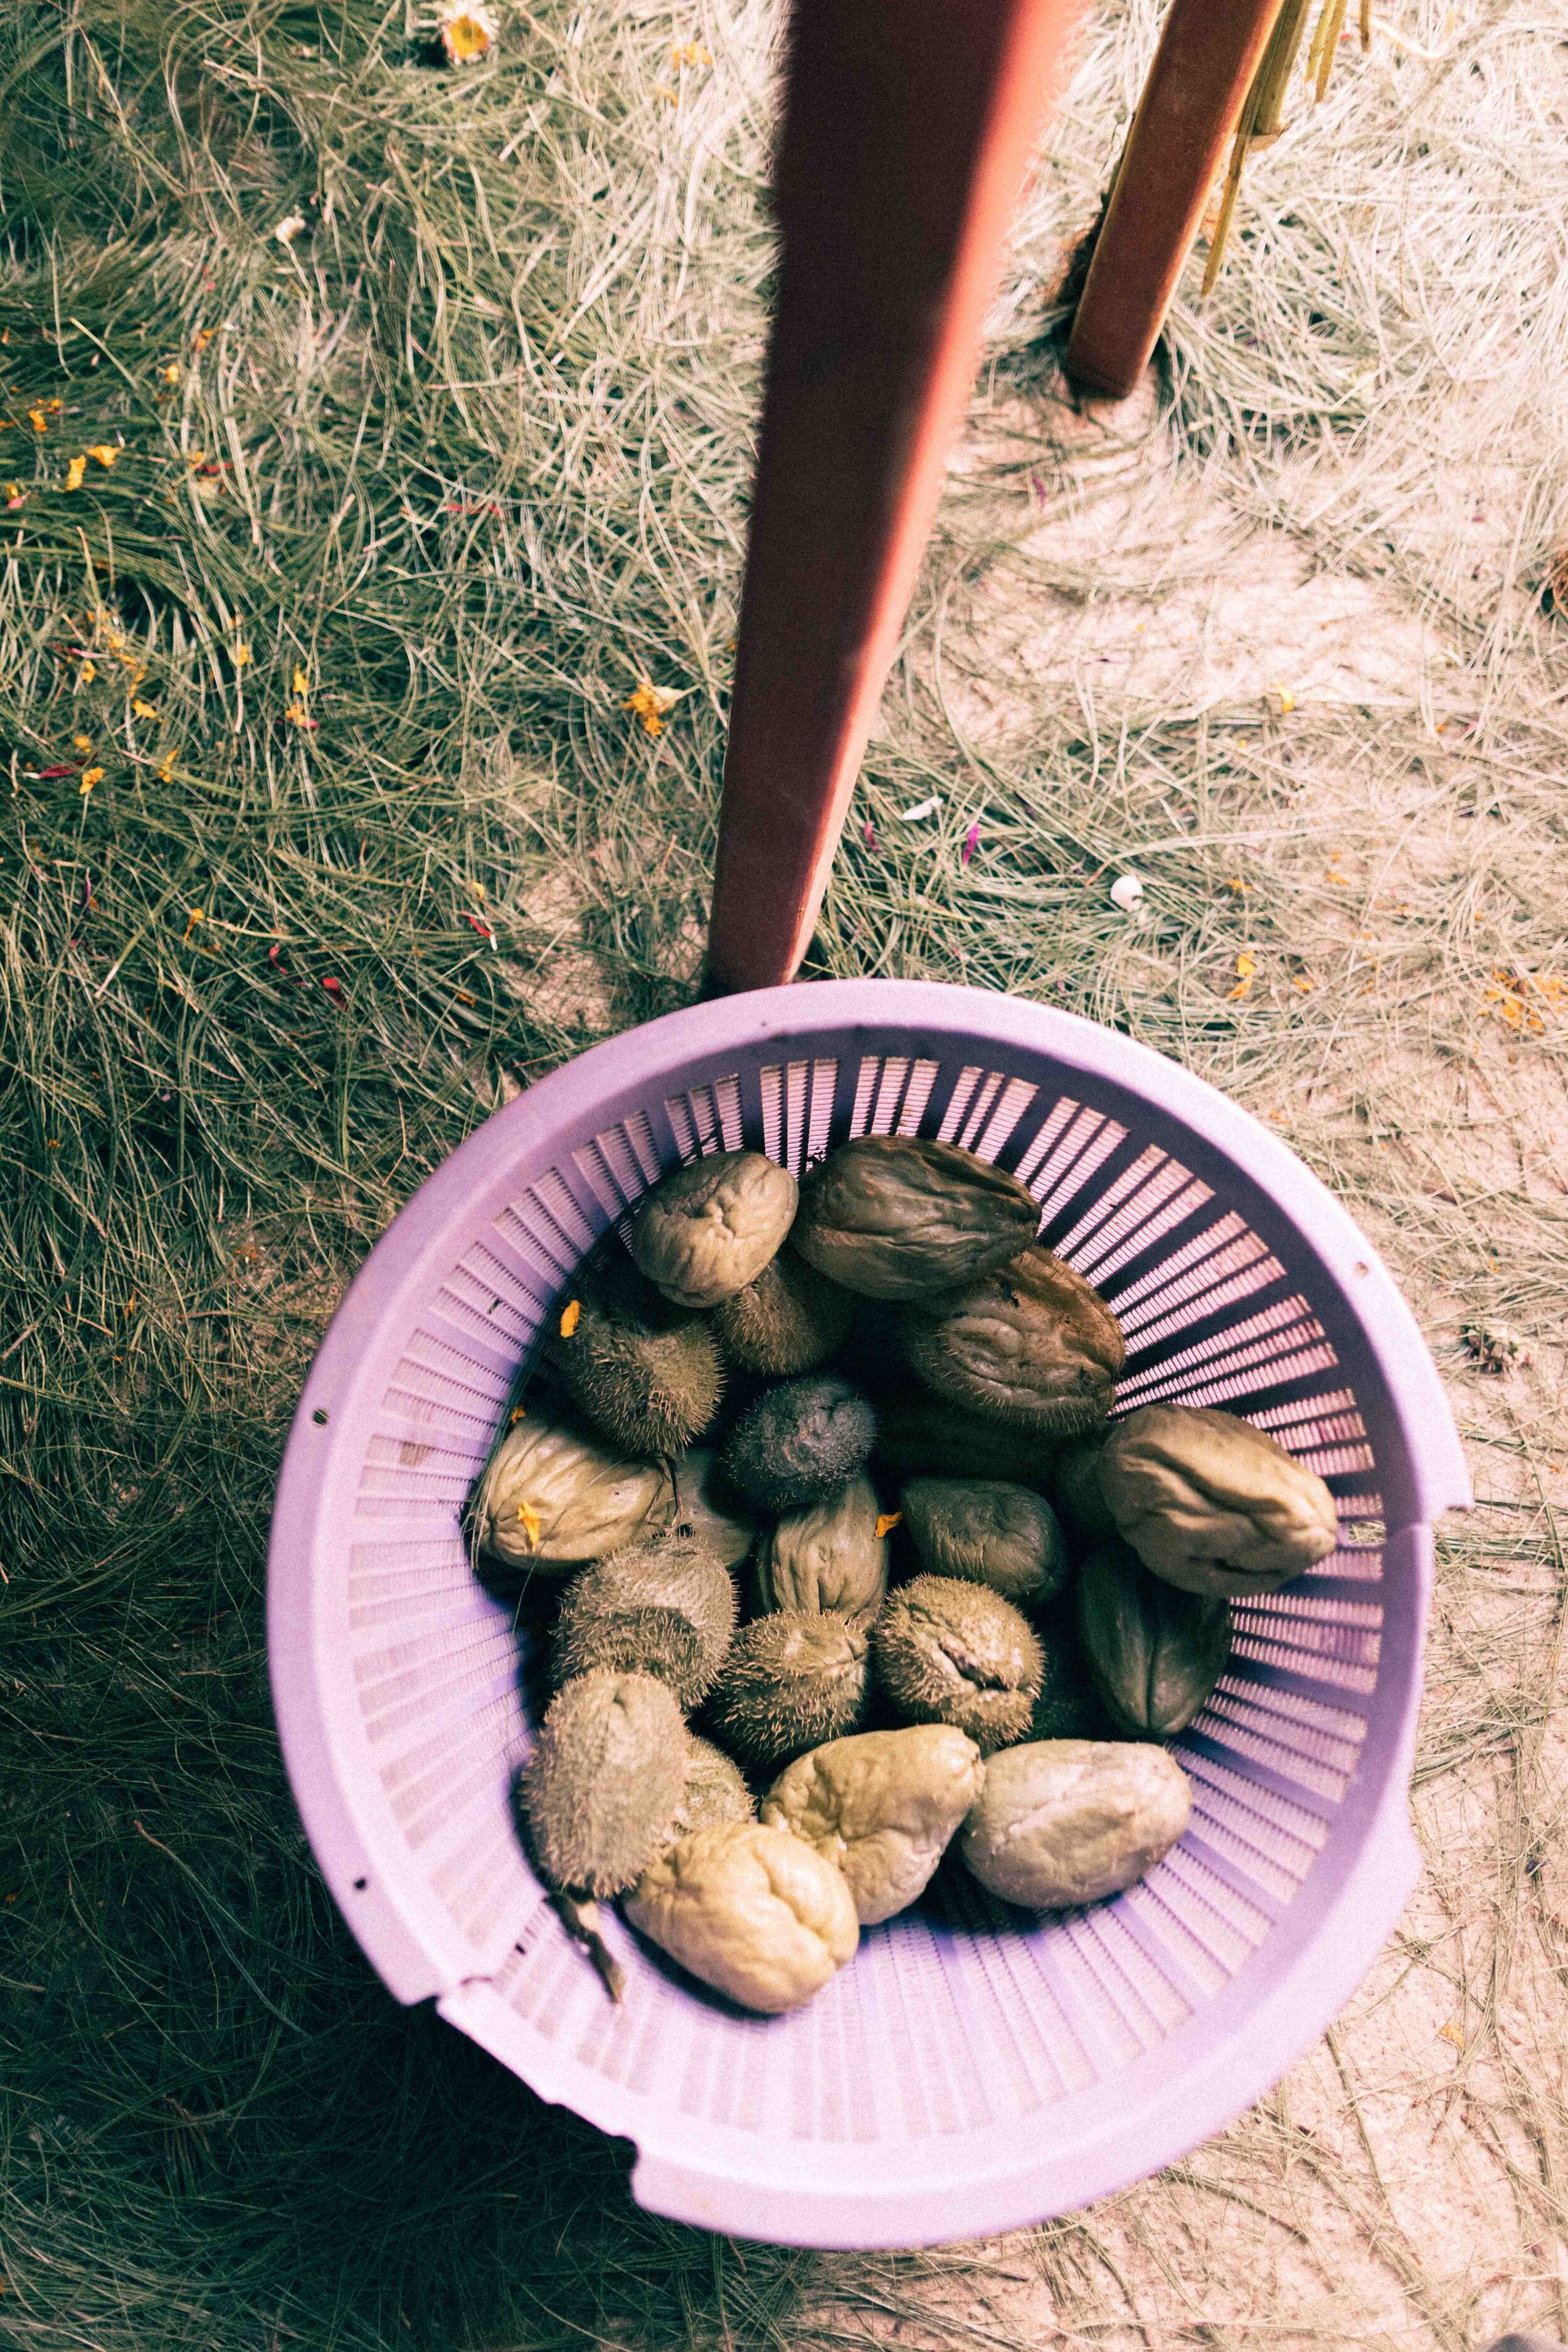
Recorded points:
(74, 473)
(143, 710)
(81, 743)
(105, 452)
(570, 1318)
(887, 1521)
(90, 776)
(529, 1517)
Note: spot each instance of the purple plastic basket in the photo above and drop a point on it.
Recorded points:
(975, 2069)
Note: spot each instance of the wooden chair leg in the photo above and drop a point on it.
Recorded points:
(908, 127)
(1209, 51)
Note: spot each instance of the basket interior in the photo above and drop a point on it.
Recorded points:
(964, 2030)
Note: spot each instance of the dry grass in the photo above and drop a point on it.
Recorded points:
(471, 454)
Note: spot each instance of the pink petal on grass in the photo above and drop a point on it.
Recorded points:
(869, 834)
(971, 844)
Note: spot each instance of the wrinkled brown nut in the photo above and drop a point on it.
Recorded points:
(790, 1681)
(552, 1496)
(603, 1788)
(950, 1652)
(989, 1530)
(1063, 1822)
(708, 1506)
(1029, 1343)
(709, 1228)
(754, 1912)
(828, 1556)
(882, 1807)
(789, 1319)
(1155, 1651)
(1213, 1505)
(662, 1606)
(893, 1216)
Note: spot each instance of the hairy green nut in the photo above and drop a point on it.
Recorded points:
(553, 1497)
(924, 1436)
(1063, 1822)
(1155, 1651)
(602, 1789)
(709, 1229)
(708, 1508)
(649, 1377)
(788, 1319)
(894, 1216)
(1028, 1342)
(790, 1681)
(800, 1442)
(661, 1606)
(829, 1556)
(1213, 1505)
(988, 1530)
(716, 1790)
(951, 1652)
(754, 1912)
(882, 1807)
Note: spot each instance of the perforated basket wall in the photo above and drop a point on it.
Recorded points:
(974, 2069)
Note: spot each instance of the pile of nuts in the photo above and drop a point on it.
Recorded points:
(852, 1566)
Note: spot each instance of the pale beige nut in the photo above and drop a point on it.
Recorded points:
(1029, 1343)
(829, 1556)
(709, 1229)
(882, 1806)
(753, 1911)
(1213, 1505)
(990, 1531)
(552, 1496)
(895, 1216)
(951, 1652)
(1063, 1822)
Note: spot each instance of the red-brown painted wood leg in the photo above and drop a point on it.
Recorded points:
(908, 128)
(1208, 52)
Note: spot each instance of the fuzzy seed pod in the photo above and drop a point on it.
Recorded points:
(649, 1377)
(709, 1229)
(829, 1557)
(1213, 1505)
(882, 1806)
(708, 1508)
(949, 1652)
(1064, 1821)
(788, 1319)
(605, 1781)
(790, 1681)
(924, 1436)
(553, 1497)
(895, 1216)
(1155, 1651)
(755, 1912)
(989, 1530)
(716, 1790)
(1029, 1343)
(800, 1442)
(665, 1607)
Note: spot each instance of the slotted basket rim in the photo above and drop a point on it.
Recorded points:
(590, 1095)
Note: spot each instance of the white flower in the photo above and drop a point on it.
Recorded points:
(1126, 892)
